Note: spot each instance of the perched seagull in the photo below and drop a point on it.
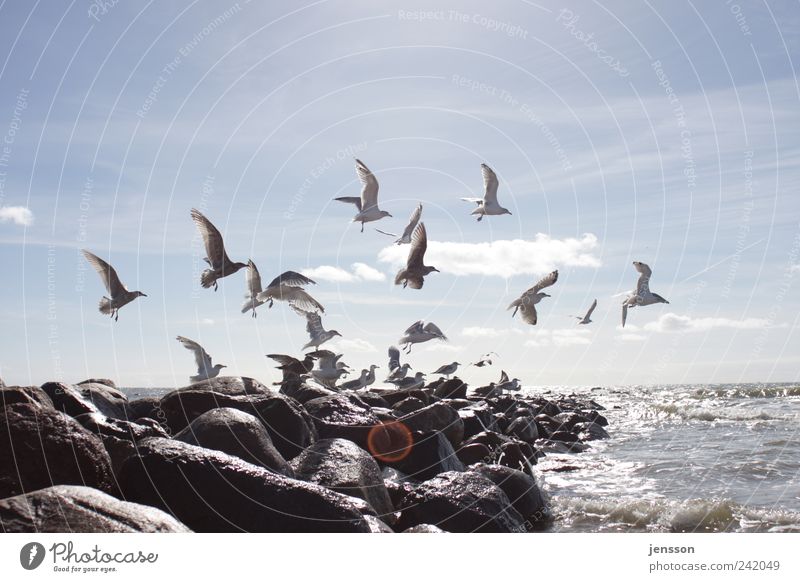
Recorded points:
(366, 379)
(397, 372)
(488, 206)
(414, 273)
(329, 368)
(448, 369)
(292, 368)
(367, 204)
(204, 368)
(527, 301)
(287, 287)
(506, 384)
(642, 295)
(486, 360)
(405, 238)
(216, 257)
(316, 332)
(419, 333)
(411, 383)
(588, 317)
(119, 293)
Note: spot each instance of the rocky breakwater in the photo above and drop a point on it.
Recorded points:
(231, 454)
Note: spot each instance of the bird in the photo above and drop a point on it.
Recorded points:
(527, 301)
(367, 204)
(485, 360)
(642, 294)
(448, 369)
(419, 333)
(119, 294)
(292, 368)
(398, 374)
(253, 289)
(216, 257)
(329, 368)
(405, 238)
(586, 319)
(414, 273)
(366, 379)
(487, 206)
(411, 382)
(506, 384)
(288, 287)
(204, 368)
(318, 334)
(396, 371)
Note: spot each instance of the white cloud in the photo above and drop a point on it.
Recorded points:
(488, 332)
(354, 345)
(441, 347)
(359, 272)
(16, 214)
(794, 269)
(632, 337)
(502, 258)
(559, 337)
(674, 323)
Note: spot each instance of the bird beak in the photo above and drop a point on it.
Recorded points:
(223, 366)
(437, 270)
(143, 294)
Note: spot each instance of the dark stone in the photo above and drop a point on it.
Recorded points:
(437, 417)
(476, 420)
(460, 503)
(377, 525)
(424, 528)
(231, 386)
(397, 484)
(237, 433)
(475, 453)
(408, 405)
(68, 399)
(303, 392)
(103, 381)
(107, 399)
(523, 428)
(460, 403)
(148, 407)
(40, 447)
(568, 420)
(342, 416)
(487, 391)
(396, 396)
(522, 490)
(590, 431)
(452, 388)
(341, 465)
(564, 436)
(430, 454)
(374, 400)
(211, 491)
(78, 509)
(24, 395)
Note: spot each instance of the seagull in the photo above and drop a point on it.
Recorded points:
(316, 332)
(411, 383)
(526, 302)
(485, 360)
(287, 287)
(414, 273)
(329, 368)
(588, 317)
(448, 369)
(487, 206)
(405, 238)
(253, 289)
(216, 257)
(292, 368)
(367, 204)
(419, 333)
(204, 368)
(398, 374)
(366, 379)
(506, 384)
(642, 295)
(120, 296)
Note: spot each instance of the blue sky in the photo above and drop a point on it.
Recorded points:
(664, 132)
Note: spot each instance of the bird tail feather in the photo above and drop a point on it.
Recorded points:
(207, 278)
(105, 306)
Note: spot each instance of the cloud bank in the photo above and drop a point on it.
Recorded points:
(674, 323)
(16, 214)
(358, 272)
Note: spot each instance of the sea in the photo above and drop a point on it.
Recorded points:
(680, 458)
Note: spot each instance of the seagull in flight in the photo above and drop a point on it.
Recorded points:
(488, 205)
(397, 372)
(405, 238)
(318, 334)
(527, 301)
(486, 360)
(367, 204)
(292, 368)
(586, 319)
(329, 368)
(414, 273)
(119, 294)
(642, 295)
(204, 368)
(285, 287)
(421, 332)
(216, 257)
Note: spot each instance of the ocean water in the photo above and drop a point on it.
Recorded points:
(680, 458)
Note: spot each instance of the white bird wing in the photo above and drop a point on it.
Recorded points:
(107, 273)
(212, 239)
(624, 313)
(202, 357)
(419, 244)
(284, 360)
(643, 285)
(386, 233)
(490, 184)
(528, 313)
(432, 328)
(475, 200)
(326, 359)
(394, 358)
(441, 369)
(412, 222)
(369, 186)
(542, 283)
(591, 309)
(350, 200)
(291, 279)
(253, 280)
(416, 327)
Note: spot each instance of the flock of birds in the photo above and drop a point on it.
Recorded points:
(324, 366)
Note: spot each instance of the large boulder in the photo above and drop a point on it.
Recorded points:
(230, 385)
(108, 400)
(522, 490)
(524, 428)
(394, 396)
(343, 466)
(24, 395)
(68, 399)
(211, 491)
(452, 388)
(40, 447)
(237, 433)
(147, 407)
(424, 528)
(429, 454)
(407, 406)
(437, 417)
(460, 503)
(303, 392)
(343, 416)
(477, 419)
(78, 509)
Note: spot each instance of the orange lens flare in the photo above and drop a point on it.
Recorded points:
(390, 442)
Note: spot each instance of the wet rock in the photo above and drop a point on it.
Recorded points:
(24, 395)
(68, 399)
(568, 420)
(437, 417)
(237, 433)
(430, 454)
(523, 428)
(148, 407)
(408, 405)
(522, 490)
(475, 453)
(589, 431)
(396, 396)
(107, 399)
(342, 416)
(303, 392)
(564, 436)
(477, 420)
(377, 525)
(460, 503)
(487, 391)
(40, 447)
(211, 491)
(424, 528)
(452, 388)
(231, 386)
(103, 381)
(397, 484)
(78, 509)
(374, 400)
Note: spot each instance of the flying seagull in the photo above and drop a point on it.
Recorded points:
(367, 204)
(414, 273)
(527, 301)
(318, 334)
(329, 368)
(292, 368)
(448, 369)
(119, 294)
(397, 372)
(204, 368)
(419, 333)
(405, 238)
(588, 317)
(486, 360)
(287, 287)
(216, 257)
(487, 206)
(642, 295)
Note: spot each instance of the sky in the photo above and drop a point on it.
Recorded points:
(664, 132)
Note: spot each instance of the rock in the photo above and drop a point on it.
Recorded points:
(397, 484)
(459, 403)
(430, 454)
(68, 399)
(40, 447)
(376, 525)
(568, 420)
(343, 466)
(103, 381)
(230, 386)
(476, 420)
(424, 528)
(107, 399)
(564, 436)
(487, 391)
(78, 509)
(475, 453)
(452, 388)
(589, 431)
(211, 491)
(148, 407)
(342, 416)
(237, 433)
(460, 503)
(396, 396)
(522, 490)
(24, 395)
(523, 428)
(437, 417)
(374, 400)
(408, 405)
(303, 392)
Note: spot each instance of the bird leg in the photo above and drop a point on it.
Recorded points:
(215, 285)
(116, 315)
(362, 226)
(480, 217)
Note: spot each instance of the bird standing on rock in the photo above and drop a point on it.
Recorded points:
(119, 294)
(448, 369)
(216, 257)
